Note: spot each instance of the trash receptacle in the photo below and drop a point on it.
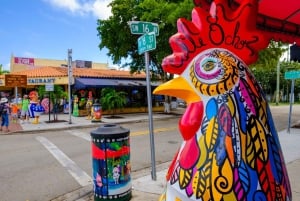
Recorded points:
(111, 163)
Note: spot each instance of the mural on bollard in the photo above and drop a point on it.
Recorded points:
(111, 165)
(231, 149)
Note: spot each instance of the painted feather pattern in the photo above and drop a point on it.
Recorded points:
(242, 176)
(258, 136)
(247, 97)
(184, 178)
(235, 133)
(175, 175)
(275, 160)
(266, 182)
(238, 187)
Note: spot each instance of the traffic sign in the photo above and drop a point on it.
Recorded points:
(140, 27)
(146, 42)
(290, 75)
(49, 87)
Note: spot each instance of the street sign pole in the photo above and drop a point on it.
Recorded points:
(146, 43)
(291, 104)
(291, 75)
(149, 99)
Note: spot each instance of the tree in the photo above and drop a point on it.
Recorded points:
(114, 33)
(269, 57)
(265, 69)
(55, 97)
(112, 99)
(3, 71)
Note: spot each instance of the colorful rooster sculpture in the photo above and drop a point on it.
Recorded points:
(231, 149)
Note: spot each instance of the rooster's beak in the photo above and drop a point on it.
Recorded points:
(180, 88)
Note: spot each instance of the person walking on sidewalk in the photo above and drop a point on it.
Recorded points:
(25, 109)
(14, 112)
(4, 114)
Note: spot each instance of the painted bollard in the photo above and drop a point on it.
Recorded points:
(96, 112)
(111, 163)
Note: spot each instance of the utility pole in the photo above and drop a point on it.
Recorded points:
(70, 77)
(277, 83)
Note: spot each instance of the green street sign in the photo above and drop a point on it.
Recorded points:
(290, 75)
(140, 27)
(146, 42)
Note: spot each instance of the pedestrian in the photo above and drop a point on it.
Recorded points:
(5, 114)
(25, 109)
(14, 112)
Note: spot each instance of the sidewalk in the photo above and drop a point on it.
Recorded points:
(65, 121)
(143, 187)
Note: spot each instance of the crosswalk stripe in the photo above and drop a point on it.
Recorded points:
(78, 174)
(80, 134)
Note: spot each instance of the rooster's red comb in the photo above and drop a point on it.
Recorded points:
(216, 26)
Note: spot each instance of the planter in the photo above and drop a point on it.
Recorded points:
(83, 113)
(134, 110)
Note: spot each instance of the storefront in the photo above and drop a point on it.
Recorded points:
(86, 82)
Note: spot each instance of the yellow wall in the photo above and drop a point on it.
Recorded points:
(15, 67)
(48, 80)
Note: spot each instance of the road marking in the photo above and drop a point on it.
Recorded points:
(78, 174)
(155, 131)
(80, 134)
(132, 134)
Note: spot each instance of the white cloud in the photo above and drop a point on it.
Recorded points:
(98, 8)
(6, 67)
(101, 9)
(71, 5)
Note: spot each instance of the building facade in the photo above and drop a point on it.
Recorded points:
(88, 78)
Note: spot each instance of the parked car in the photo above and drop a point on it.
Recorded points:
(181, 103)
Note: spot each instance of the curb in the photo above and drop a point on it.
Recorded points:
(85, 193)
(92, 125)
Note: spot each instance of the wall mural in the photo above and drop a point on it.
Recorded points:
(231, 149)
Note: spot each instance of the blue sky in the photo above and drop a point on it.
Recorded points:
(48, 28)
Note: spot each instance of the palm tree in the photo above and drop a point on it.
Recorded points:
(112, 99)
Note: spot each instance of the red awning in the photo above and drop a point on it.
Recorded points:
(281, 18)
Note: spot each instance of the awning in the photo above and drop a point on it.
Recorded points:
(82, 83)
(280, 17)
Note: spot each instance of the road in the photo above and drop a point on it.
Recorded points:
(42, 166)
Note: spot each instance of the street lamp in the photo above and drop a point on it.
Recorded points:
(70, 77)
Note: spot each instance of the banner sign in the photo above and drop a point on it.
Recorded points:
(23, 60)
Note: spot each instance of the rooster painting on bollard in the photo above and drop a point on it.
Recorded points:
(231, 150)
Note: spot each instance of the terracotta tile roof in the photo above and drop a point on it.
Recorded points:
(88, 72)
(44, 72)
(50, 71)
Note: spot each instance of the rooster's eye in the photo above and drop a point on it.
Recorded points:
(207, 68)
(214, 72)
(208, 65)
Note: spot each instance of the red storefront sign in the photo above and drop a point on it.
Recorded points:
(24, 60)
